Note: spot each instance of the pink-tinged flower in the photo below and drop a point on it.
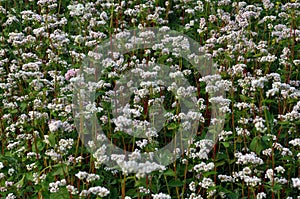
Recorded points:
(54, 125)
(71, 73)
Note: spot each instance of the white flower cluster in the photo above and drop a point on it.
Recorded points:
(254, 46)
(201, 149)
(245, 175)
(54, 186)
(223, 136)
(54, 125)
(161, 196)
(65, 144)
(89, 177)
(141, 169)
(293, 115)
(295, 142)
(249, 158)
(10, 196)
(204, 167)
(99, 191)
(296, 183)
(261, 195)
(206, 183)
(259, 124)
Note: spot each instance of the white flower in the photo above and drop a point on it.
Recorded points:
(54, 187)
(11, 171)
(81, 175)
(144, 190)
(206, 183)
(252, 181)
(103, 16)
(54, 125)
(192, 186)
(161, 196)
(100, 191)
(84, 193)
(142, 143)
(72, 189)
(11, 196)
(248, 158)
(295, 142)
(261, 195)
(296, 183)
(280, 169)
(204, 167)
(225, 178)
(270, 174)
(2, 175)
(76, 10)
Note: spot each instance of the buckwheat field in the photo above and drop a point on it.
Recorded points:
(208, 107)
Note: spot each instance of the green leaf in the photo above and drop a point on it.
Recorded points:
(169, 172)
(60, 169)
(46, 195)
(206, 174)
(257, 145)
(21, 182)
(233, 195)
(172, 126)
(52, 139)
(14, 111)
(140, 182)
(276, 187)
(266, 138)
(226, 144)
(113, 193)
(40, 146)
(23, 106)
(29, 176)
(131, 192)
(257, 55)
(61, 194)
(175, 183)
(220, 163)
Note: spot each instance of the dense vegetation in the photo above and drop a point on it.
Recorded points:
(44, 46)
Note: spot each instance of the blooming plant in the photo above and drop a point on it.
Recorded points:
(50, 48)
